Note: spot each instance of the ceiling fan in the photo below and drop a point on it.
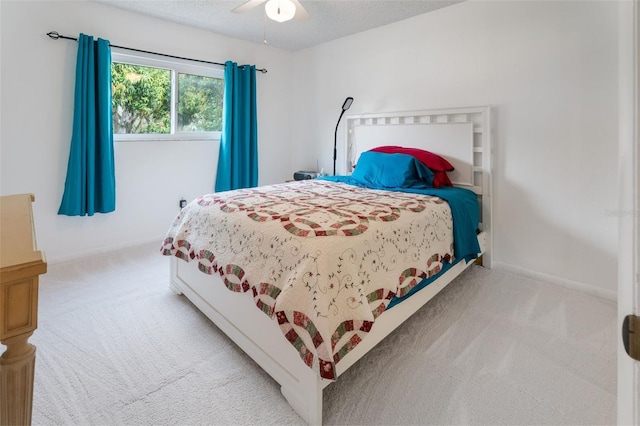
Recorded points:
(278, 10)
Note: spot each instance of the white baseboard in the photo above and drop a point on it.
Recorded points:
(573, 285)
(67, 257)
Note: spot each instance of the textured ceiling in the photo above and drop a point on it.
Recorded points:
(329, 19)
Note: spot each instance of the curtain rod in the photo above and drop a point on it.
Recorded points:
(55, 36)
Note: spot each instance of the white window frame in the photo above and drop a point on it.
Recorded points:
(177, 66)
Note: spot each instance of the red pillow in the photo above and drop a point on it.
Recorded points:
(438, 165)
(441, 179)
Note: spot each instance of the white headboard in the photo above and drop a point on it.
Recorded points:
(461, 135)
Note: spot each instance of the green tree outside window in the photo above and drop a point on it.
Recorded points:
(142, 101)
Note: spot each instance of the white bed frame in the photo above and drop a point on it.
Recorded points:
(462, 136)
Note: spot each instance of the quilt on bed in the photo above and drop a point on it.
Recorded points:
(321, 258)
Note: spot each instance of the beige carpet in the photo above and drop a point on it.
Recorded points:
(115, 346)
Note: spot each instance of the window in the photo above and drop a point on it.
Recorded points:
(165, 100)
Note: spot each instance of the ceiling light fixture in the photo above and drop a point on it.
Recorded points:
(280, 10)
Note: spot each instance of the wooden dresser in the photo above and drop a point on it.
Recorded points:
(20, 265)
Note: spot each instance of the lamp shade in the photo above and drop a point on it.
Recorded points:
(347, 103)
(280, 10)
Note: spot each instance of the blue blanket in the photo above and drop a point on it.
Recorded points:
(464, 209)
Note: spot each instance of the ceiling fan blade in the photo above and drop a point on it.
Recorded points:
(301, 12)
(247, 6)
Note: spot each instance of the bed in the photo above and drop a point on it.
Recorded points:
(314, 266)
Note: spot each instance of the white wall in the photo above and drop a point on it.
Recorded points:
(549, 69)
(37, 78)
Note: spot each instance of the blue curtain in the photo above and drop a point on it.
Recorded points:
(90, 185)
(238, 160)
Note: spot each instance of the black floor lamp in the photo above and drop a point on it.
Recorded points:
(345, 106)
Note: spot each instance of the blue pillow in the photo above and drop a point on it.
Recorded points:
(381, 170)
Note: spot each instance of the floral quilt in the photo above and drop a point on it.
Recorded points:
(321, 258)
